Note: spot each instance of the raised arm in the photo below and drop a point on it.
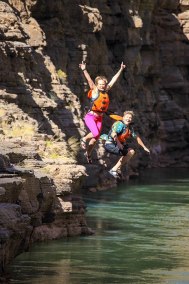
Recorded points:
(82, 66)
(142, 144)
(116, 76)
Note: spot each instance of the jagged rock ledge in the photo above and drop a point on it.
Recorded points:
(42, 91)
(32, 209)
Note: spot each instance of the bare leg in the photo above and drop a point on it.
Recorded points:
(91, 146)
(88, 137)
(85, 140)
(123, 160)
(92, 141)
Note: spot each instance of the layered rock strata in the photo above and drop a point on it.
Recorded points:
(42, 102)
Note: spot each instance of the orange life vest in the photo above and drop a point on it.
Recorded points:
(123, 136)
(101, 103)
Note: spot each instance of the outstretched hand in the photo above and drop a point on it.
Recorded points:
(146, 149)
(123, 66)
(82, 65)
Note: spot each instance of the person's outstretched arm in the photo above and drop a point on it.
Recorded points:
(116, 76)
(142, 144)
(87, 76)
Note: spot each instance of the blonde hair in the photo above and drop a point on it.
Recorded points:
(97, 79)
(129, 112)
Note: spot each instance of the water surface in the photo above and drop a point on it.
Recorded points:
(141, 236)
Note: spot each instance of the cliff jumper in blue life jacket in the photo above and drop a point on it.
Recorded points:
(116, 142)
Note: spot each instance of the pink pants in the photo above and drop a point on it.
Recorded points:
(94, 123)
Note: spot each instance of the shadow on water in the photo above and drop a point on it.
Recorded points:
(141, 236)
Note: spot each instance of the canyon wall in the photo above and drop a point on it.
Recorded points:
(43, 99)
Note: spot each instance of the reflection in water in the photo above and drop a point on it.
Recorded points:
(141, 236)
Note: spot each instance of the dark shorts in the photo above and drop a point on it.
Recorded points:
(113, 149)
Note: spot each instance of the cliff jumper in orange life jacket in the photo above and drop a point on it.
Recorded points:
(100, 103)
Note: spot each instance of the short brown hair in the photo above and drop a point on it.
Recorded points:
(129, 112)
(98, 78)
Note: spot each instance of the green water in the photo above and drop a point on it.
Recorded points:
(141, 236)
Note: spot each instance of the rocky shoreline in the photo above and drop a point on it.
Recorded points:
(31, 211)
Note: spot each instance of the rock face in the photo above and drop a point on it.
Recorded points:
(30, 211)
(42, 101)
